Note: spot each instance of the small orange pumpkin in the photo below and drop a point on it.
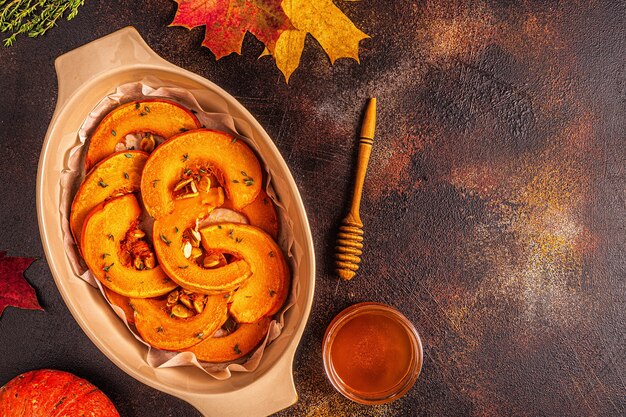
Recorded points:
(48, 392)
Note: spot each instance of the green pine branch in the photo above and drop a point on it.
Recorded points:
(33, 17)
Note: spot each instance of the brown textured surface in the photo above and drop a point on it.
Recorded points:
(493, 207)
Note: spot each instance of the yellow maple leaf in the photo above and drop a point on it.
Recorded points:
(334, 31)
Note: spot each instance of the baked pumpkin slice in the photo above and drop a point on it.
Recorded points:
(115, 250)
(260, 213)
(158, 117)
(121, 302)
(192, 155)
(117, 174)
(160, 328)
(173, 232)
(235, 345)
(264, 293)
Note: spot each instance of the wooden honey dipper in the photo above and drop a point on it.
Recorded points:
(350, 237)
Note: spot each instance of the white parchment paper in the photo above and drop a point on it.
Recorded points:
(216, 117)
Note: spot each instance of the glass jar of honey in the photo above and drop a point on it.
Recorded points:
(372, 353)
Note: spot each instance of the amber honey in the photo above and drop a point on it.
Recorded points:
(372, 353)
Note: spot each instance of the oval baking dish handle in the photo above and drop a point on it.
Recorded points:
(273, 391)
(124, 47)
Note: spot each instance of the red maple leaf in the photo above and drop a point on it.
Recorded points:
(14, 290)
(227, 21)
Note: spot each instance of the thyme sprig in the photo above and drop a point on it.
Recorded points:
(33, 17)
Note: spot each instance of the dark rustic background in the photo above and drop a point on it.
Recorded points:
(494, 205)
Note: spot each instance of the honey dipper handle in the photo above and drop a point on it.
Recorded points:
(350, 237)
(365, 149)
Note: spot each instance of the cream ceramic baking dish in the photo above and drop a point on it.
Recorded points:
(85, 76)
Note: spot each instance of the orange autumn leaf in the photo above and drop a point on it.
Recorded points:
(227, 22)
(334, 31)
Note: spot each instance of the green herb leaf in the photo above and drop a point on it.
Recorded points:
(102, 184)
(234, 140)
(34, 18)
(113, 133)
(183, 266)
(106, 268)
(165, 239)
(272, 254)
(147, 109)
(159, 329)
(137, 105)
(236, 349)
(185, 157)
(128, 155)
(272, 293)
(126, 175)
(154, 183)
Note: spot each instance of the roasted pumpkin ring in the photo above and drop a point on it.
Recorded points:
(264, 293)
(234, 345)
(196, 152)
(261, 213)
(119, 173)
(169, 233)
(160, 117)
(105, 228)
(158, 328)
(121, 302)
